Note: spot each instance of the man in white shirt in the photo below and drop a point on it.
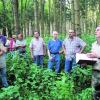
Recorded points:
(95, 53)
(21, 44)
(37, 49)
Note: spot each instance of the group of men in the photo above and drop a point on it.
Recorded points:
(70, 46)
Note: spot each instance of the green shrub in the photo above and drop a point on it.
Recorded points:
(29, 82)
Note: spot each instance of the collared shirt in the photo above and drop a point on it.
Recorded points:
(54, 46)
(73, 46)
(37, 46)
(96, 49)
(20, 43)
(3, 39)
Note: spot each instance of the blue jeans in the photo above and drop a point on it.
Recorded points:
(55, 61)
(70, 64)
(3, 76)
(38, 60)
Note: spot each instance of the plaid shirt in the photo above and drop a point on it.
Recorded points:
(73, 46)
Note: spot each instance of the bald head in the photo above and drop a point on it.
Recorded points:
(55, 34)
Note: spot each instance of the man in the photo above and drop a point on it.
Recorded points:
(2, 38)
(37, 49)
(21, 44)
(54, 47)
(95, 53)
(3, 50)
(71, 46)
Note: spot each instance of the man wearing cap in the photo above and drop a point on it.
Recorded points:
(54, 47)
(95, 53)
(71, 46)
(37, 49)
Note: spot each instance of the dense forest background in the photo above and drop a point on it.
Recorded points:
(47, 15)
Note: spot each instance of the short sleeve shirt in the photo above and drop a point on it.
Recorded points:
(37, 46)
(3, 39)
(73, 46)
(54, 46)
(96, 49)
(2, 59)
(20, 43)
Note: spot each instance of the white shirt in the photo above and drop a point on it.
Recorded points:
(37, 46)
(20, 43)
(96, 48)
(7, 43)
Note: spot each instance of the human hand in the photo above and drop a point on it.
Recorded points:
(91, 55)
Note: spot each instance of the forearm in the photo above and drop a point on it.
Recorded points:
(31, 52)
(82, 49)
(61, 51)
(96, 55)
(1, 52)
(49, 53)
(64, 50)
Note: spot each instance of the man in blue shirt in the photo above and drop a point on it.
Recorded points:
(2, 38)
(54, 51)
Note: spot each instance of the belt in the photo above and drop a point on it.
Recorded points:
(54, 53)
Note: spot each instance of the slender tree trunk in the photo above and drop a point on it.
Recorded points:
(72, 15)
(36, 15)
(49, 17)
(98, 16)
(42, 3)
(16, 16)
(60, 16)
(77, 16)
(4, 18)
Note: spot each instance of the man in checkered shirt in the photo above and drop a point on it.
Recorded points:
(71, 46)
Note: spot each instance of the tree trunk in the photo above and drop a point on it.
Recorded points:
(42, 3)
(16, 16)
(72, 15)
(36, 24)
(77, 16)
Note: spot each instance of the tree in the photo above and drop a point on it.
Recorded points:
(36, 19)
(16, 16)
(77, 16)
